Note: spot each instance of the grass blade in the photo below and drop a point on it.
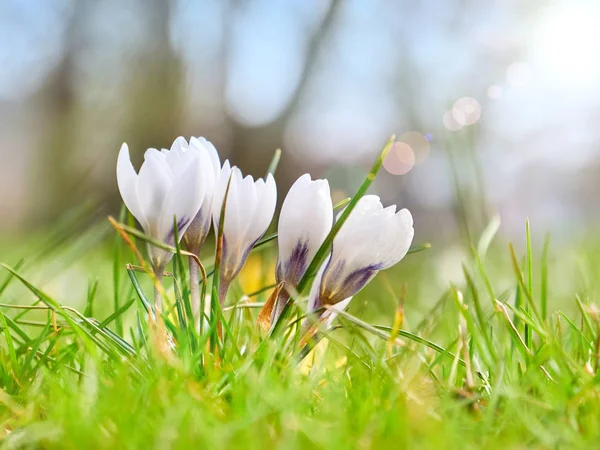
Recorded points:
(274, 162)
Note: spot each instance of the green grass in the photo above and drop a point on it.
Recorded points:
(505, 355)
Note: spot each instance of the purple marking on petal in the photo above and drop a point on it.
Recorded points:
(225, 260)
(315, 302)
(181, 223)
(334, 288)
(359, 278)
(234, 267)
(295, 267)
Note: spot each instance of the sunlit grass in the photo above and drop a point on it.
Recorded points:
(504, 356)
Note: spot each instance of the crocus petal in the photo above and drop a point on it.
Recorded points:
(179, 145)
(238, 213)
(372, 239)
(219, 193)
(359, 225)
(339, 282)
(210, 150)
(305, 220)
(315, 303)
(182, 201)
(127, 181)
(210, 166)
(239, 219)
(404, 233)
(388, 236)
(314, 299)
(249, 210)
(266, 195)
(154, 181)
(331, 315)
(176, 158)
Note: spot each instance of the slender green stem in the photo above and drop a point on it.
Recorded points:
(195, 293)
(544, 283)
(529, 259)
(274, 162)
(157, 294)
(117, 267)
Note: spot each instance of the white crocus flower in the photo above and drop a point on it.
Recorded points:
(373, 238)
(248, 213)
(210, 165)
(304, 223)
(169, 185)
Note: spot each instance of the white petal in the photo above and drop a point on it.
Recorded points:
(127, 182)
(249, 210)
(179, 145)
(154, 181)
(354, 242)
(209, 176)
(262, 215)
(401, 234)
(241, 201)
(182, 201)
(305, 220)
(372, 239)
(210, 167)
(219, 193)
(211, 151)
(153, 153)
(314, 299)
(200, 227)
(178, 158)
(331, 315)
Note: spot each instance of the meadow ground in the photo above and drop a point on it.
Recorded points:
(498, 347)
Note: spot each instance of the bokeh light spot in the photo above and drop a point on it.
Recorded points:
(418, 143)
(466, 111)
(400, 159)
(494, 92)
(450, 122)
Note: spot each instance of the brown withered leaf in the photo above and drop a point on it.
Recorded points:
(264, 316)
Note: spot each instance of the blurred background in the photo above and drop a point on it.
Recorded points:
(495, 104)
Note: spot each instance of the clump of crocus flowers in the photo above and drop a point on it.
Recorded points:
(185, 192)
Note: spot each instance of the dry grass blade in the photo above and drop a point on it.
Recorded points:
(264, 316)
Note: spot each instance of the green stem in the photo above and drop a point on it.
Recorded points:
(157, 294)
(195, 293)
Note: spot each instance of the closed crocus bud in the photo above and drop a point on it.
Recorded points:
(210, 164)
(373, 238)
(248, 213)
(305, 220)
(168, 186)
